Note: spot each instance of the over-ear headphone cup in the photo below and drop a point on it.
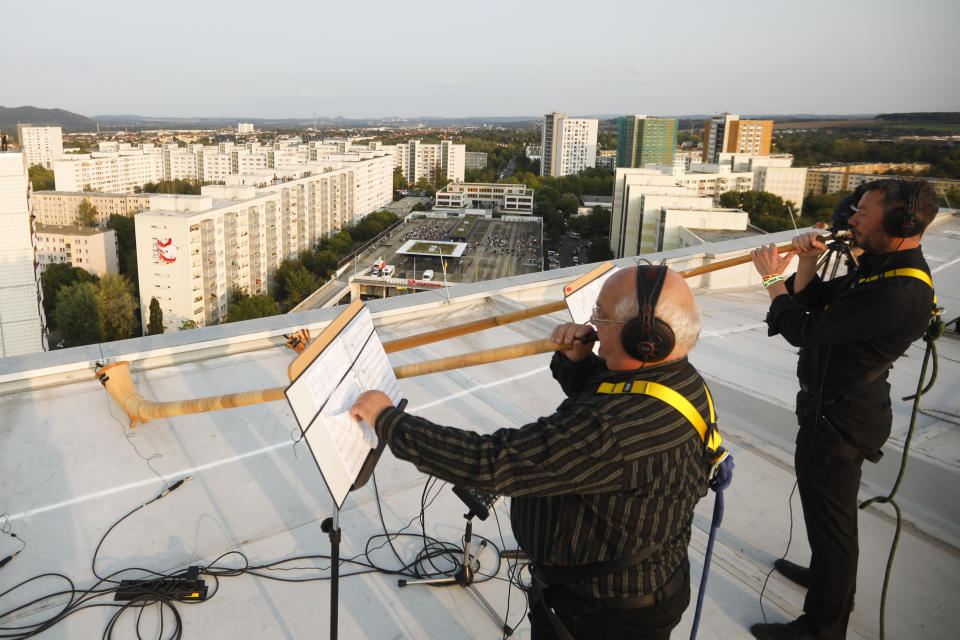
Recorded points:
(652, 346)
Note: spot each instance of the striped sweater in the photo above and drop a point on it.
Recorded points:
(603, 477)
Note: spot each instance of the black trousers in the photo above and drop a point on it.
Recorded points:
(587, 619)
(828, 477)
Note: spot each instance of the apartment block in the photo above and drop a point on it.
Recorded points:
(787, 182)
(94, 250)
(21, 312)
(727, 133)
(42, 145)
(569, 144)
(474, 160)
(834, 177)
(638, 195)
(642, 140)
(117, 172)
(62, 207)
(244, 128)
(192, 250)
(511, 198)
(417, 160)
(180, 163)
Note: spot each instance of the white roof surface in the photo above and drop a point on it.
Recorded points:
(70, 466)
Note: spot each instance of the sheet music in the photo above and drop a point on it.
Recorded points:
(581, 301)
(353, 362)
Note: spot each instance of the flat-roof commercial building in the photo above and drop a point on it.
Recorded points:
(21, 312)
(511, 198)
(89, 248)
(569, 145)
(192, 250)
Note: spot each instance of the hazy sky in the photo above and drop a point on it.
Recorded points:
(369, 58)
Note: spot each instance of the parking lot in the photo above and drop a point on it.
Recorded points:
(495, 249)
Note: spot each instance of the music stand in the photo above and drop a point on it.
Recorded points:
(344, 360)
(479, 503)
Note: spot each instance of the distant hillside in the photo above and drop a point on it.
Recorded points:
(948, 117)
(10, 116)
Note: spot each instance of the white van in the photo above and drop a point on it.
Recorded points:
(388, 271)
(427, 275)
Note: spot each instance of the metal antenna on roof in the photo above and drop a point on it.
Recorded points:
(793, 220)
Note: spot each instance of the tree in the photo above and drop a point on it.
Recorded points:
(77, 315)
(599, 250)
(155, 325)
(187, 324)
(299, 283)
(86, 213)
(126, 245)
(399, 182)
(118, 307)
(41, 178)
(259, 306)
(54, 277)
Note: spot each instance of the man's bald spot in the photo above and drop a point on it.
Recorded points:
(676, 305)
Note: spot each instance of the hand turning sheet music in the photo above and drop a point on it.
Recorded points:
(348, 359)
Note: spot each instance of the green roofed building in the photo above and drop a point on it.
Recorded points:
(642, 140)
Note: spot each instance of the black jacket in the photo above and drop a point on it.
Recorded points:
(850, 332)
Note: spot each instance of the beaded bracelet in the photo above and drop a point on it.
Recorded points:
(772, 280)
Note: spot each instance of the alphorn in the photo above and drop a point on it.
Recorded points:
(119, 383)
(455, 331)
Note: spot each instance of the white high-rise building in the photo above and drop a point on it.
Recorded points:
(638, 196)
(192, 250)
(42, 145)
(21, 312)
(569, 144)
(787, 182)
(244, 128)
(417, 160)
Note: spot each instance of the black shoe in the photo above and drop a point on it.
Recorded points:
(793, 572)
(795, 630)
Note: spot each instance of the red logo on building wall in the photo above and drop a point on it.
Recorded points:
(164, 250)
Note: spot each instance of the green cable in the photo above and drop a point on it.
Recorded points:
(934, 331)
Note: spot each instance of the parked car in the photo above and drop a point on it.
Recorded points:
(427, 275)
(388, 271)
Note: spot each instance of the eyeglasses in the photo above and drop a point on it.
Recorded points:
(595, 318)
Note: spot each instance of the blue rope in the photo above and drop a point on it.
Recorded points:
(721, 480)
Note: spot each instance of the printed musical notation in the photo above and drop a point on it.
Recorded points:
(351, 360)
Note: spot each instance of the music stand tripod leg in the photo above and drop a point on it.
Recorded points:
(464, 576)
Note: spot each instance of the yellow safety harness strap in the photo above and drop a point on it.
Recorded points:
(908, 272)
(675, 400)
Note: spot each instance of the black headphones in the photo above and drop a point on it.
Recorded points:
(647, 338)
(902, 222)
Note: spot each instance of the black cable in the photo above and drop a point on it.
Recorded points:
(934, 331)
